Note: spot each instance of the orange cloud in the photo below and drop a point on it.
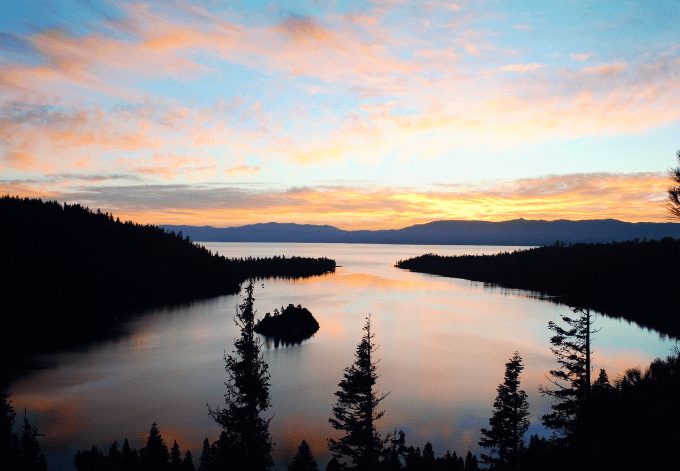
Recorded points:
(629, 197)
(448, 110)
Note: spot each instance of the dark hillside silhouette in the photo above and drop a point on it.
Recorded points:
(69, 272)
(635, 280)
(513, 232)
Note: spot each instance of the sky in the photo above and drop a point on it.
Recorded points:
(363, 114)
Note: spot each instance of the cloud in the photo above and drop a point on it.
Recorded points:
(631, 197)
(243, 169)
(581, 56)
(176, 93)
(521, 68)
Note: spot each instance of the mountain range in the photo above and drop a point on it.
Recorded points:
(514, 232)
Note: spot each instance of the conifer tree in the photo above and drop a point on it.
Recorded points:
(188, 462)
(674, 190)
(395, 452)
(30, 458)
(245, 442)
(471, 462)
(510, 419)
(303, 460)
(428, 461)
(129, 457)
(333, 465)
(155, 456)
(175, 456)
(114, 454)
(570, 416)
(205, 461)
(357, 409)
(7, 416)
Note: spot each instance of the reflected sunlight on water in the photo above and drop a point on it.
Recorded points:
(443, 344)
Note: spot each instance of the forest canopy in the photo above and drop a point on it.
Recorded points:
(70, 272)
(635, 280)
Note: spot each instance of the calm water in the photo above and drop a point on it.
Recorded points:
(443, 346)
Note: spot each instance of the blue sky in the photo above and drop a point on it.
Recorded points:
(360, 114)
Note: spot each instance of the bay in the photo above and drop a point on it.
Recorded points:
(443, 344)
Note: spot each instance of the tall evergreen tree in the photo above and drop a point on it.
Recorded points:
(30, 458)
(303, 460)
(428, 461)
(509, 421)
(245, 442)
(188, 462)
(356, 410)
(175, 457)
(205, 462)
(471, 462)
(395, 452)
(570, 416)
(6, 435)
(155, 456)
(674, 190)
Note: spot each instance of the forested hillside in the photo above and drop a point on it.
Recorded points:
(636, 280)
(69, 271)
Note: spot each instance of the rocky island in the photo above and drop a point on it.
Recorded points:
(292, 324)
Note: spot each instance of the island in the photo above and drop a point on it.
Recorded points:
(290, 325)
(634, 280)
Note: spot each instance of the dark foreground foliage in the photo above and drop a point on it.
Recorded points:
(154, 456)
(635, 280)
(19, 450)
(290, 325)
(69, 273)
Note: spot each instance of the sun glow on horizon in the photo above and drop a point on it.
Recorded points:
(368, 115)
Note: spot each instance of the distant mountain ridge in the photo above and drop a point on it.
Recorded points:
(513, 232)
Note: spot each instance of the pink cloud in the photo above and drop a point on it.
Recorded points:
(522, 68)
(631, 197)
(581, 56)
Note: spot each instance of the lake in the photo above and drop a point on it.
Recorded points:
(443, 344)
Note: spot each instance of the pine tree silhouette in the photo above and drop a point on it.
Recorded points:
(155, 456)
(245, 443)
(356, 410)
(303, 460)
(571, 407)
(510, 420)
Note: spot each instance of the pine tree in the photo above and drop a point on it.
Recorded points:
(395, 452)
(188, 462)
(303, 460)
(570, 416)
(129, 457)
(30, 458)
(7, 416)
(245, 443)
(428, 461)
(175, 456)
(356, 410)
(155, 456)
(333, 465)
(509, 421)
(471, 462)
(674, 190)
(205, 462)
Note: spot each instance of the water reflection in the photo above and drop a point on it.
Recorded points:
(443, 344)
